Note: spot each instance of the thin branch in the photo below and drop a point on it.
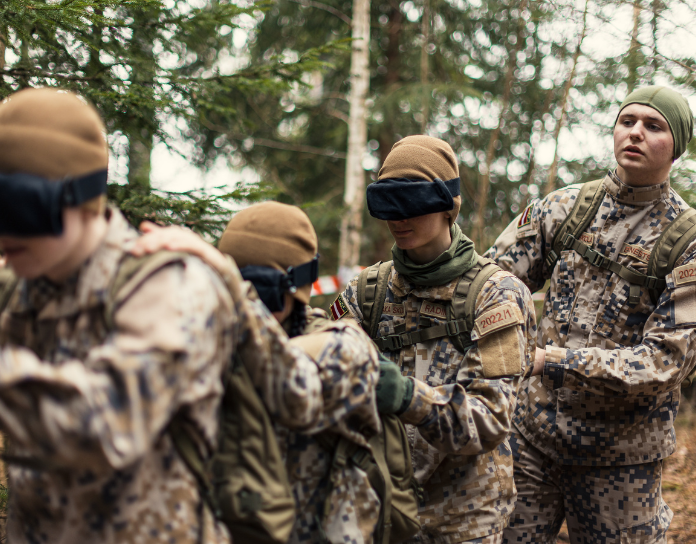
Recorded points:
(332, 10)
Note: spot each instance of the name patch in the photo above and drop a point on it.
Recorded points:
(339, 308)
(434, 310)
(497, 318)
(685, 274)
(394, 309)
(636, 252)
(587, 238)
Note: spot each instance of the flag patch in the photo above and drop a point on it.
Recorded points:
(526, 217)
(339, 308)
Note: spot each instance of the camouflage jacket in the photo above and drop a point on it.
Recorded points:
(86, 406)
(610, 388)
(461, 410)
(337, 503)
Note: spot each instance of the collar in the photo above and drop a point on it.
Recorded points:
(89, 286)
(638, 196)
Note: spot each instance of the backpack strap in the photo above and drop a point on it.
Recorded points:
(8, 283)
(132, 272)
(586, 206)
(372, 293)
(670, 246)
(463, 305)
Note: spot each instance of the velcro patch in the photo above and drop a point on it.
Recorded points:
(501, 354)
(524, 224)
(587, 238)
(637, 252)
(339, 308)
(498, 318)
(685, 274)
(432, 309)
(394, 309)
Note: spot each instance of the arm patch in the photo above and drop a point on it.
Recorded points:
(501, 317)
(339, 308)
(525, 227)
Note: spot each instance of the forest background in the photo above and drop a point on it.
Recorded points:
(256, 93)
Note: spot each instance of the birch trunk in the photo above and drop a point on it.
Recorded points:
(353, 197)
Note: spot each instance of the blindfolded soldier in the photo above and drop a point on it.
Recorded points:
(459, 332)
(593, 426)
(101, 354)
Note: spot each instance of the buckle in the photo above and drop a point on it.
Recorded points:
(597, 259)
(449, 325)
(551, 258)
(568, 240)
(393, 342)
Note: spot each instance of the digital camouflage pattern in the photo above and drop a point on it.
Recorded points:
(610, 389)
(599, 504)
(87, 408)
(461, 411)
(343, 498)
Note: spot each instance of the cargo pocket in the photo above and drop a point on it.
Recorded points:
(563, 290)
(652, 532)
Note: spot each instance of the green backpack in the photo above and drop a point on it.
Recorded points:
(372, 293)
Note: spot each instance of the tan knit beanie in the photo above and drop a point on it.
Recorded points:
(50, 133)
(423, 158)
(274, 235)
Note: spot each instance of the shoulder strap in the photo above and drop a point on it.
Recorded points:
(586, 206)
(372, 292)
(132, 272)
(8, 283)
(463, 305)
(670, 246)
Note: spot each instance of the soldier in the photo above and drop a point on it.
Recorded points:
(457, 370)
(274, 244)
(91, 376)
(595, 422)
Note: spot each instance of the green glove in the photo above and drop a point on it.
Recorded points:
(394, 391)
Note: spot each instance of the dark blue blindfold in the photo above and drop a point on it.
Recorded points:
(33, 206)
(394, 199)
(271, 284)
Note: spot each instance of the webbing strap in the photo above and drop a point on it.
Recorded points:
(394, 342)
(633, 277)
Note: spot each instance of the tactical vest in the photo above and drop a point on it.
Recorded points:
(669, 247)
(372, 293)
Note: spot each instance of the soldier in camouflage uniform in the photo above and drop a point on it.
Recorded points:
(595, 422)
(276, 240)
(458, 407)
(87, 394)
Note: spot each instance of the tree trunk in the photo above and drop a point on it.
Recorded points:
(425, 98)
(353, 197)
(551, 179)
(485, 177)
(633, 61)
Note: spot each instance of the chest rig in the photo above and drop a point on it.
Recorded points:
(669, 247)
(372, 292)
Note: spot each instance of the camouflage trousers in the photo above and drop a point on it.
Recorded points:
(497, 538)
(620, 505)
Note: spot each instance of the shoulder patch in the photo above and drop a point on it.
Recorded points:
(503, 316)
(524, 224)
(339, 308)
(685, 274)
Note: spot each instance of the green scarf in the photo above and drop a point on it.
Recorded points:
(451, 264)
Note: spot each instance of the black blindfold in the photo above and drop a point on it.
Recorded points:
(271, 284)
(394, 199)
(33, 206)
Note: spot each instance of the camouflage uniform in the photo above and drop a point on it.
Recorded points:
(343, 498)
(86, 407)
(459, 419)
(610, 388)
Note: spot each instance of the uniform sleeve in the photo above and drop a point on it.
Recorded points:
(171, 341)
(286, 377)
(522, 247)
(349, 369)
(665, 356)
(474, 414)
(346, 304)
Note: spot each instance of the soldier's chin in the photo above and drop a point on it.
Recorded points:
(25, 267)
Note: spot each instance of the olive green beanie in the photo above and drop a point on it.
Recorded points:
(673, 107)
(423, 158)
(274, 235)
(51, 133)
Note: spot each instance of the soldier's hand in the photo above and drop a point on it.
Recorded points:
(173, 238)
(394, 391)
(539, 361)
